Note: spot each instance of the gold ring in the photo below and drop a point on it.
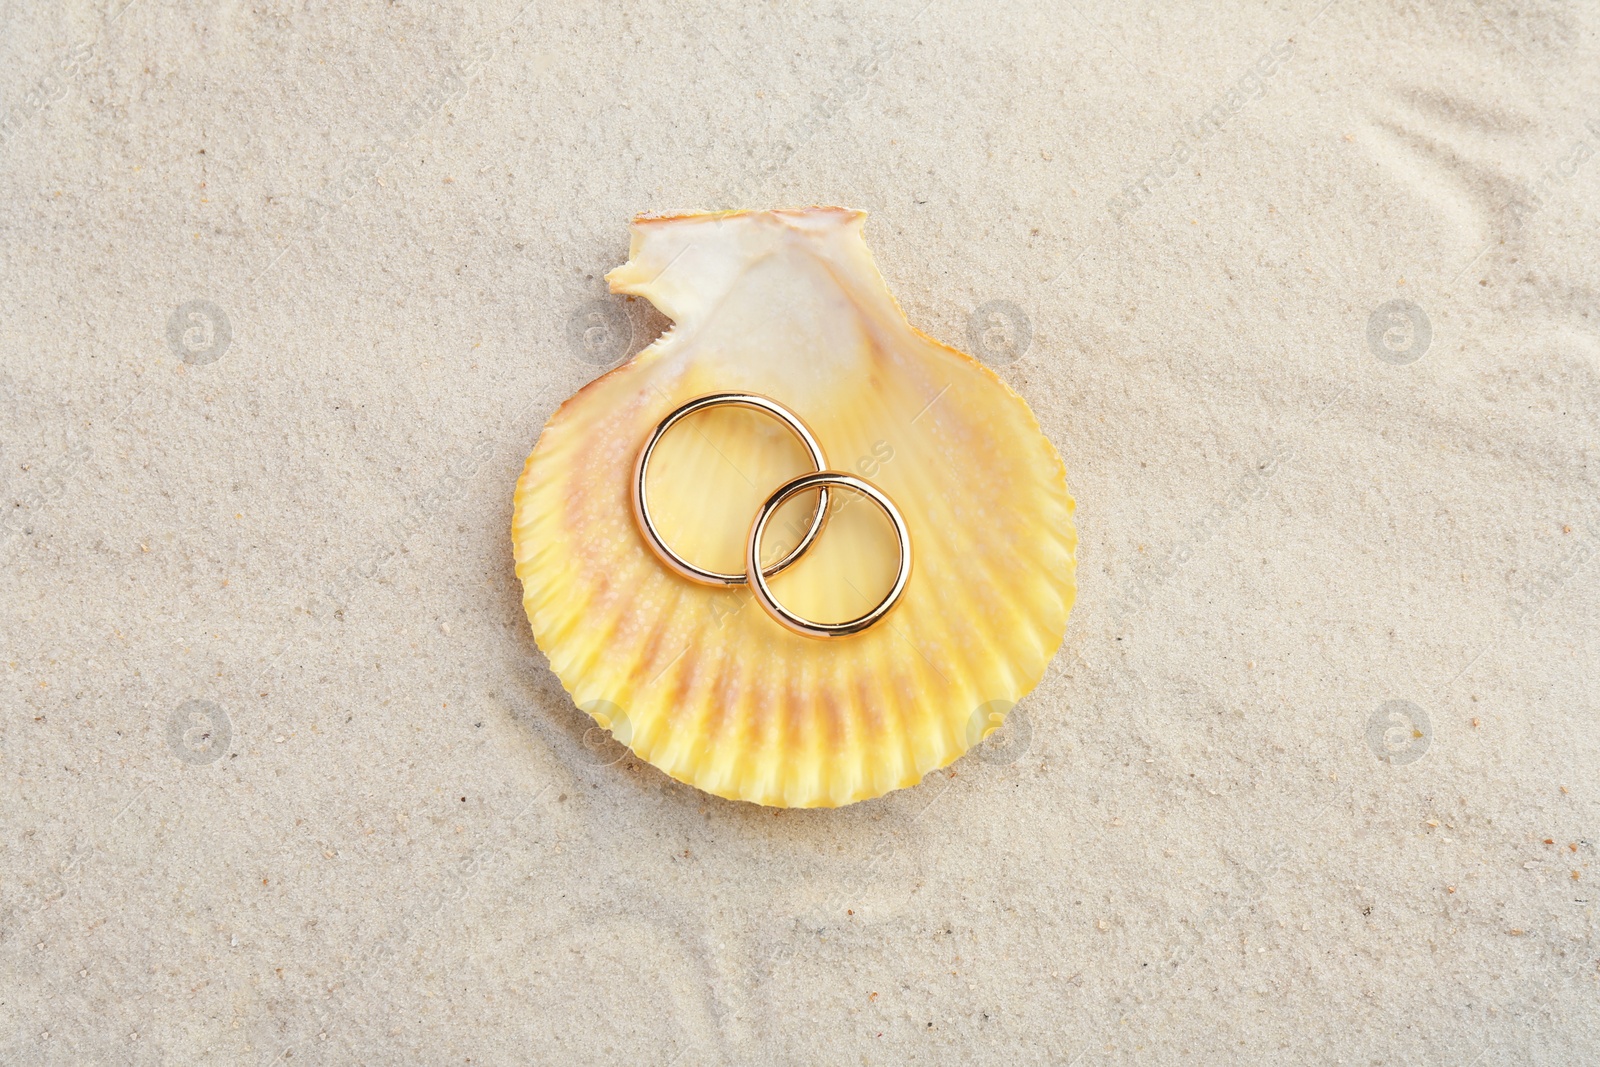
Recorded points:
(758, 579)
(641, 466)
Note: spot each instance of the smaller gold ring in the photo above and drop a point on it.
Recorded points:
(641, 467)
(758, 581)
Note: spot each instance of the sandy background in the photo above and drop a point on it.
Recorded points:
(1307, 297)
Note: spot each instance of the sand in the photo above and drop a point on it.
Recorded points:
(1306, 296)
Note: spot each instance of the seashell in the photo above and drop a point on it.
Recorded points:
(698, 680)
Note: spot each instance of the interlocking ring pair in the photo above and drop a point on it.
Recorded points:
(755, 576)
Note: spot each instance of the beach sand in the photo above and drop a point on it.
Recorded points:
(1307, 297)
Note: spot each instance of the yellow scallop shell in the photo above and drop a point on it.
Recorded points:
(699, 681)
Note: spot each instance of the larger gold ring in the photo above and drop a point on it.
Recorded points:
(757, 579)
(641, 467)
